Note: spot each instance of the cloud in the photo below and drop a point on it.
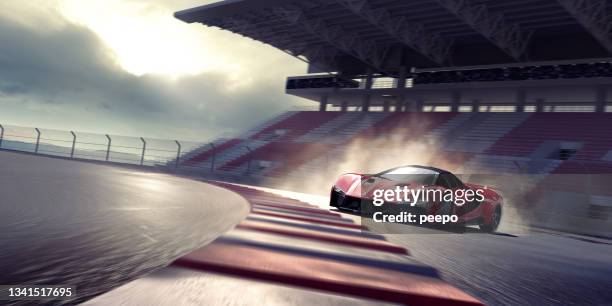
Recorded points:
(57, 73)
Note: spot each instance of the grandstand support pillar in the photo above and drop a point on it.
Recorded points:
(456, 100)
(418, 107)
(401, 80)
(343, 106)
(365, 105)
(521, 96)
(602, 97)
(539, 105)
(399, 104)
(369, 80)
(475, 105)
(323, 103)
(386, 105)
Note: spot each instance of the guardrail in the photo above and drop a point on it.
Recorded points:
(143, 151)
(99, 147)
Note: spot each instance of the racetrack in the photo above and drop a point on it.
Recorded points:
(529, 269)
(515, 266)
(99, 226)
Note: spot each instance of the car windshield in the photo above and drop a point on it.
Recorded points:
(411, 175)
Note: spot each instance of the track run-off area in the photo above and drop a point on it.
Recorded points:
(100, 227)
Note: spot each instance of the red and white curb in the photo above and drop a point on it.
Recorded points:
(298, 245)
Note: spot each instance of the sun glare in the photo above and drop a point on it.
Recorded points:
(144, 36)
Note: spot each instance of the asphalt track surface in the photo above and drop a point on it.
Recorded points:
(99, 226)
(515, 266)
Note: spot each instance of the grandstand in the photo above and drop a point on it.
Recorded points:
(517, 86)
(474, 55)
(486, 77)
(287, 142)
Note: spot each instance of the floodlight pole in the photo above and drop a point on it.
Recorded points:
(108, 147)
(144, 149)
(37, 140)
(73, 144)
(178, 153)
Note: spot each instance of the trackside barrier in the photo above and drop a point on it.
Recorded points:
(108, 148)
(99, 147)
(231, 157)
(37, 140)
(178, 153)
(144, 149)
(173, 154)
(73, 144)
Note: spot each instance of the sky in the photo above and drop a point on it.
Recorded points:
(128, 67)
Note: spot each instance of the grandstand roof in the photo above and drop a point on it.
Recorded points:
(355, 36)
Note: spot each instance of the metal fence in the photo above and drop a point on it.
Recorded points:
(100, 147)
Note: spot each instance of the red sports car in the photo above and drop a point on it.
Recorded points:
(473, 204)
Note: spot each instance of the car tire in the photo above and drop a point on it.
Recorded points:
(495, 221)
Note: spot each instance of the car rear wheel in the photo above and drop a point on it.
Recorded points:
(495, 220)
